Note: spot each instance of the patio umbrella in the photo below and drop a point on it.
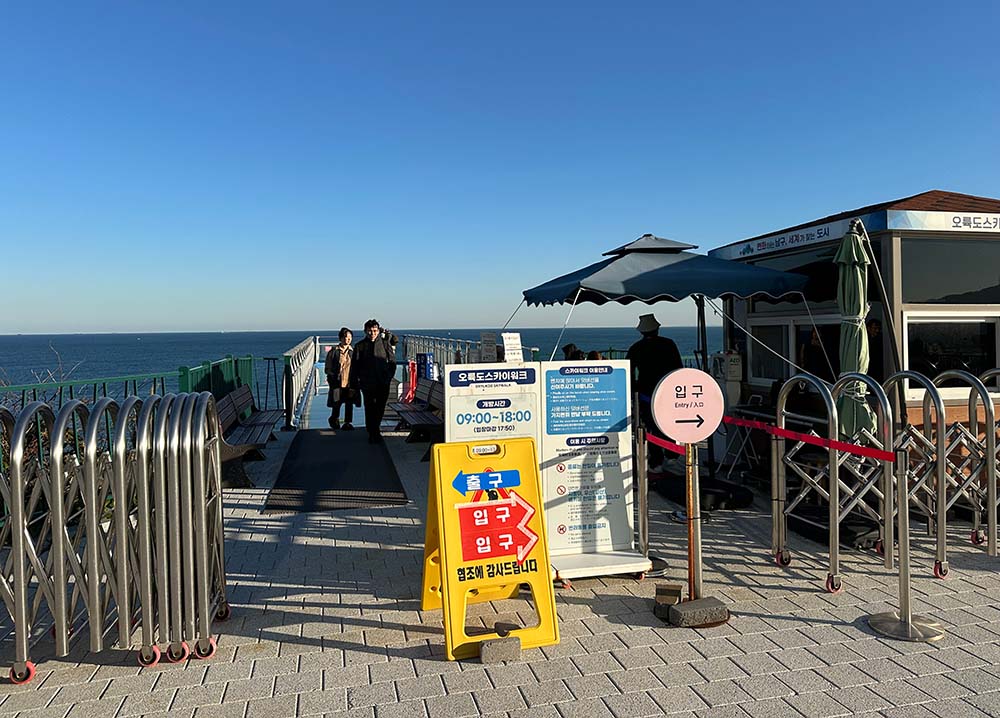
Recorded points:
(652, 269)
(852, 301)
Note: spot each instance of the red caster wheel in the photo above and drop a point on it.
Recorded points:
(148, 656)
(174, 657)
(224, 613)
(205, 653)
(880, 548)
(783, 559)
(19, 679)
(833, 586)
(940, 571)
(978, 538)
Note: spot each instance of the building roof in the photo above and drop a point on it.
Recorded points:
(934, 200)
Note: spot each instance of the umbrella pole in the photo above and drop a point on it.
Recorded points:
(699, 300)
(563, 330)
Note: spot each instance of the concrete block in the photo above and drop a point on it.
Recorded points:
(700, 612)
(667, 595)
(500, 650)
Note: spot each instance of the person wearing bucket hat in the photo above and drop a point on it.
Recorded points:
(652, 358)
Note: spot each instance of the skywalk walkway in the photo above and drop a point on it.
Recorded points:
(326, 620)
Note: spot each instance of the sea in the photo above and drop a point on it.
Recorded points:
(30, 358)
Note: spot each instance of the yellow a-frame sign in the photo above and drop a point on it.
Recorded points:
(485, 539)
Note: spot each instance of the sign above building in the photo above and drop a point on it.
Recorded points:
(944, 221)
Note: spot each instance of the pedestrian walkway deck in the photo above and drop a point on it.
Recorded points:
(326, 620)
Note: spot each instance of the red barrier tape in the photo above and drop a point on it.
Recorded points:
(787, 434)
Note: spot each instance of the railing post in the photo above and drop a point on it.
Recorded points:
(184, 380)
(288, 394)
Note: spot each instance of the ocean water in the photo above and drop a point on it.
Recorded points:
(60, 357)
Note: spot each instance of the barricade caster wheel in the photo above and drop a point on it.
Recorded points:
(224, 613)
(783, 559)
(978, 538)
(880, 548)
(148, 656)
(832, 585)
(199, 652)
(640, 576)
(176, 655)
(940, 571)
(19, 679)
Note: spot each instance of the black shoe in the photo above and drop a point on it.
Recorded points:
(348, 426)
(334, 423)
(371, 438)
(377, 439)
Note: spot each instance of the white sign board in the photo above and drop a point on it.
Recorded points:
(491, 401)
(512, 347)
(688, 405)
(586, 463)
(487, 347)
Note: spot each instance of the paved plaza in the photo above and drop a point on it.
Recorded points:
(326, 620)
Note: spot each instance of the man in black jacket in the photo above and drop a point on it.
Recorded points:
(652, 358)
(372, 371)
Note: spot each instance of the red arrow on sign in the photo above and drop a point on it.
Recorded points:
(529, 511)
(491, 529)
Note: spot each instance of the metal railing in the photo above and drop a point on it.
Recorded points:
(56, 394)
(298, 378)
(448, 350)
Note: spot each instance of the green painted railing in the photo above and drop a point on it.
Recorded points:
(56, 393)
(219, 377)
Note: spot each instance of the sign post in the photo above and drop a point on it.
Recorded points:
(687, 406)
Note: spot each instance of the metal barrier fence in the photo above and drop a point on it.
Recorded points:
(113, 520)
(949, 464)
(300, 362)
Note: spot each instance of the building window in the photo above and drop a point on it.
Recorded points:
(764, 364)
(820, 356)
(951, 271)
(935, 346)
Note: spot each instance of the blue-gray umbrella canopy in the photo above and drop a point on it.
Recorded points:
(652, 269)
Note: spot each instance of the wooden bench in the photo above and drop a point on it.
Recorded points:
(421, 397)
(242, 439)
(426, 424)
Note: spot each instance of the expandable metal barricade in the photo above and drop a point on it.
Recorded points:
(114, 519)
(947, 464)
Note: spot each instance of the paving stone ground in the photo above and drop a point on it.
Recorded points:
(326, 621)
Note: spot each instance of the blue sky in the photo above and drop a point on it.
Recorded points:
(425, 162)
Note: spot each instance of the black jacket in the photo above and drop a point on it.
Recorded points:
(653, 357)
(374, 362)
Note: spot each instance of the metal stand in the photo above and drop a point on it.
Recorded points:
(659, 565)
(902, 624)
(693, 522)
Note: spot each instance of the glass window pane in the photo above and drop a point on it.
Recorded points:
(951, 271)
(809, 351)
(764, 364)
(935, 347)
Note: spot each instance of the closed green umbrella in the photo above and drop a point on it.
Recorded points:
(852, 301)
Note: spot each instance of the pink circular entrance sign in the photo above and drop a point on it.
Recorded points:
(688, 405)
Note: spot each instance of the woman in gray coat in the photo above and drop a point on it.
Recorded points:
(338, 378)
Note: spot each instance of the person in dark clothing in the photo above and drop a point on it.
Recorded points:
(652, 358)
(876, 365)
(372, 371)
